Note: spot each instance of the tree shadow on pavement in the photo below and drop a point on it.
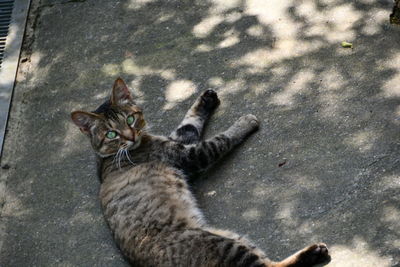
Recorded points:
(323, 166)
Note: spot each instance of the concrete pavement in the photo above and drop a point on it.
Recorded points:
(323, 167)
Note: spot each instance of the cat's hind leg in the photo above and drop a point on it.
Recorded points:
(200, 247)
(312, 256)
(190, 129)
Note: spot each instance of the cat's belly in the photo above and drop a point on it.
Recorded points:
(146, 203)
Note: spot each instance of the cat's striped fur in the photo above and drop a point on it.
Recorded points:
(144, 193)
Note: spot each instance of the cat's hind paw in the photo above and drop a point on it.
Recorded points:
(314, 255)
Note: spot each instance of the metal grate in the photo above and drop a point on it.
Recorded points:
(6, 8)
(13, 14)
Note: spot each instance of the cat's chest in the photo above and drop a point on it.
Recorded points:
(148, 195)
(142, 179)
(117, 181)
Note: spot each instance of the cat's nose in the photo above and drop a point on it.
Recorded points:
(128, 134)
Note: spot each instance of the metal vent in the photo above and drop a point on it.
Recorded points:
(13, 15)
(5, 18)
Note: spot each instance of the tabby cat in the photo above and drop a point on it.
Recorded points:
(144, 192)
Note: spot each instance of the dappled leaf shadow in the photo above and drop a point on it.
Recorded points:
(330, 113)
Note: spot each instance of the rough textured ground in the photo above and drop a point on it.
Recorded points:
(323, 167)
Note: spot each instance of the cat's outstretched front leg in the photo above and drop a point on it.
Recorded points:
(200, 156)
(190, 129)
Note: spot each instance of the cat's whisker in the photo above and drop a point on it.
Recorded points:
(127, 155)
(116, 154)
(115, 158)
(119, 158)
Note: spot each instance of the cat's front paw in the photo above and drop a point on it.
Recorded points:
(249, 121)
(209, 100)
(314, 255)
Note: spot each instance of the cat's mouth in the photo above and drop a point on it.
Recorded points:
(130, 145)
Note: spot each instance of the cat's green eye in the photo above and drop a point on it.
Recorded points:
(111, 134)
(130, 120)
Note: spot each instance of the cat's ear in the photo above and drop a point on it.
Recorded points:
(84, 120)
(120, 93)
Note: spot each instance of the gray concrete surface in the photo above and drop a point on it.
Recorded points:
(330, 118)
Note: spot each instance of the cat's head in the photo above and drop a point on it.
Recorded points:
(116, 125)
